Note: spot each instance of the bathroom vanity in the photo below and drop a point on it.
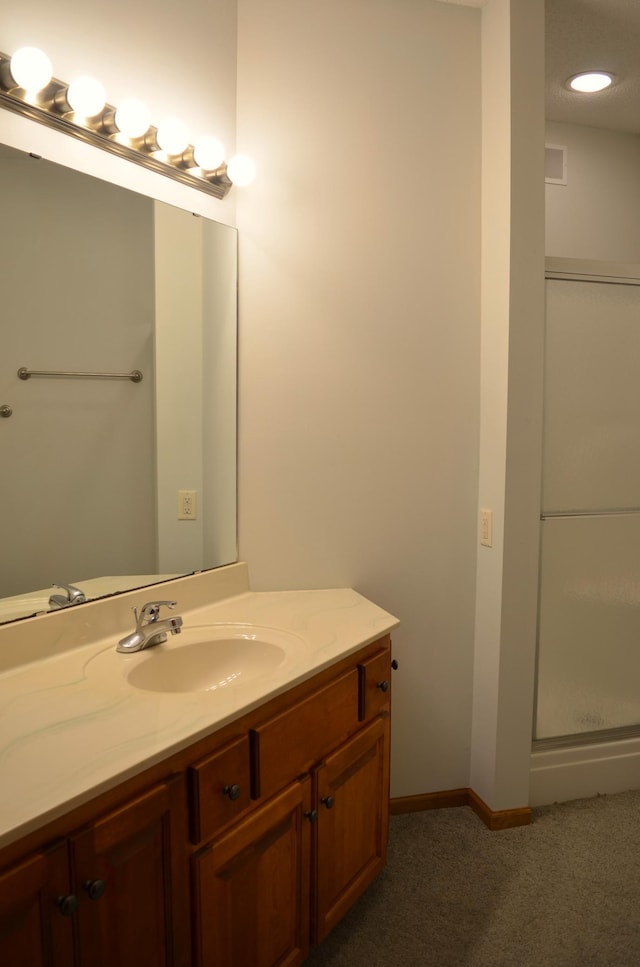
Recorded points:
(145, 818)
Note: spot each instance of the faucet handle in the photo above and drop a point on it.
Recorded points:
(151, 610)
(73, 595)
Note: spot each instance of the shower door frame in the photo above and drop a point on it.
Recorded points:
(615, 273)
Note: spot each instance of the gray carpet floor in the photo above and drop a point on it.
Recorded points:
(562, 892)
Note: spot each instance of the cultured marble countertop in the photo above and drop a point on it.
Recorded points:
(73, 726)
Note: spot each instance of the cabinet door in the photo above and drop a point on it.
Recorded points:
(126, 883)
(351, 833)
(35, 912)
(251, 887)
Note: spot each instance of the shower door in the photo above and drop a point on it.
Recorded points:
(589, 617)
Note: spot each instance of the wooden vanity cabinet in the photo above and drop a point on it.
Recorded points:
(243, 849)
(34, 932)
(126, 870)
(350, 836)
(220, 787)
(108, 894)
(316, 833)
(251, 887)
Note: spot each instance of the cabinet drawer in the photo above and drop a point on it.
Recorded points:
(375, 684)
(220, 787)
(288, 744)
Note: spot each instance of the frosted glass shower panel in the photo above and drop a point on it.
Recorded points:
(589, 632)
(592, 397)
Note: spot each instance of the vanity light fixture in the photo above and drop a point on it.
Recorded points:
(28, 88)
(172, 137)
(241, 170)
(208, 153)
(86, 97)
(590, 82)
(31, 69)
(132, 119)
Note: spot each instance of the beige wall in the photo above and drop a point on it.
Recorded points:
(179, 384)
(359, 333)
(595, 215)
(359, 313)
(510, 398)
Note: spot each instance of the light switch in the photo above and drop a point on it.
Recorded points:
(486, 527)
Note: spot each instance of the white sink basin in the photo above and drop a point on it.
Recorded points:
(209, 657)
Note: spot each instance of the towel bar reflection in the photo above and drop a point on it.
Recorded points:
(135, 375)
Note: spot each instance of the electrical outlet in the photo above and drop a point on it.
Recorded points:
(187, 509)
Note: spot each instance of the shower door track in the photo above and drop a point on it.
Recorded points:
(597, 737)
(590, 270)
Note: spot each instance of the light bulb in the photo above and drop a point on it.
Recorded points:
(590, 83)
(241, 170)
(172, 136)
(86, 96)
(31, 68)
(132, 119)
(208, 153)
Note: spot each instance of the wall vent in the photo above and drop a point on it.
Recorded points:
(555, 164)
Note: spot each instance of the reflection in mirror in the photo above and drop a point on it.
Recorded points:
(97, 279)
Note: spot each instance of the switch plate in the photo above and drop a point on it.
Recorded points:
(486, 527)
(187, 509)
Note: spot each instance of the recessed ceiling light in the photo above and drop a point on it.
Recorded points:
(590, 82)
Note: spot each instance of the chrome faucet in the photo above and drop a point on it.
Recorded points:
(72, 595)
(150, 629)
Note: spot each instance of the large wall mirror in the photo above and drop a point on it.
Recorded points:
(99, 280)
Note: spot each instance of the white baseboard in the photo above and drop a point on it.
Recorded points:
(559, 775)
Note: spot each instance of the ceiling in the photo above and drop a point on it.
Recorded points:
(591, 35)
(594, 35)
